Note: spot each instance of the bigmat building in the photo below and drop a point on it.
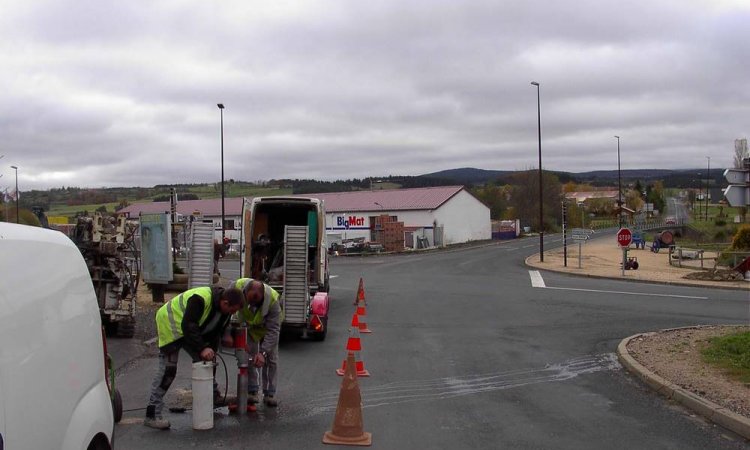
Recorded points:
(433, 216)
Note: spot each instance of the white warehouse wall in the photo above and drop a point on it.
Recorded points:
(464, 218)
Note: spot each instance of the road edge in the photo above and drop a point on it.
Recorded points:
(629, 280)
(706, 408)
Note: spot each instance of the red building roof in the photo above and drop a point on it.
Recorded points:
(387, 200)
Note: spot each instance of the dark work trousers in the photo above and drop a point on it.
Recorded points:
(165, 375)
(264, 377)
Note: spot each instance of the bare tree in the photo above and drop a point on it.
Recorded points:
(524, 197)
(740, 152)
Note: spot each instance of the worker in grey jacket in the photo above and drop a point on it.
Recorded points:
(263, 315)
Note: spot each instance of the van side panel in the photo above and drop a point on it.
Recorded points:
(51, 352)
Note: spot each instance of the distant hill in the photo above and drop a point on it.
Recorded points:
(682, 178)
(468, 175)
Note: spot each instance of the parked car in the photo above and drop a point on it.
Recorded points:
(54, 390)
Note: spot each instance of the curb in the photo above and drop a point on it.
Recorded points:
(708, 409)
(605, 277)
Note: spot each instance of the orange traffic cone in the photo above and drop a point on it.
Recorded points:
(360, 293)
(348, 428)
(362, 318)
(354, 346)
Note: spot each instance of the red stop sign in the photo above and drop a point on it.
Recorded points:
(624, 237)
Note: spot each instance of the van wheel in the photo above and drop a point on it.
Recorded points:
(125, 328)
(110, 328)
(117, 406)
(99, 443)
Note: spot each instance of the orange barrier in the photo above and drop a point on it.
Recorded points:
(348, 426)
(354, 346)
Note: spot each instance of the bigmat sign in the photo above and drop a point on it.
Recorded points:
(347, 222)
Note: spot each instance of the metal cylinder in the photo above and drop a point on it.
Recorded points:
(240, 352)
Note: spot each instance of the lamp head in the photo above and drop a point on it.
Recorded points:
(220, 105)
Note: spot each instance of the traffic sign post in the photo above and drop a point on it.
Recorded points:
(580, 235)
(738, 191)
(624, 238)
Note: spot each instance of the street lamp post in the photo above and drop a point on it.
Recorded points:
(17, 196)
(541, 192)
(708, 180)
(619, 185)
(221, 110)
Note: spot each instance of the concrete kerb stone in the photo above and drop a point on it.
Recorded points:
(710, 410)
(528, 263)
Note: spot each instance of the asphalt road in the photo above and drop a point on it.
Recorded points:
(465, 353)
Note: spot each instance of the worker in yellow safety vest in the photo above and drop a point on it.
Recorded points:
(263, 315)
(195, 322)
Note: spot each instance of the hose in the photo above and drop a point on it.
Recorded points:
(178, 409)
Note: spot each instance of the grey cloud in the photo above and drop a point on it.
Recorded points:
(126, 93)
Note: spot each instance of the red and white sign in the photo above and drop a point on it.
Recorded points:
(624, 237)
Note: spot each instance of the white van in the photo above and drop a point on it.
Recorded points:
(53, 385)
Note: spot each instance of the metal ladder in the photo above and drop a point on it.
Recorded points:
(296, 290)
(201, 260)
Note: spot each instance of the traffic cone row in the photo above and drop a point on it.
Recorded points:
(348, 428)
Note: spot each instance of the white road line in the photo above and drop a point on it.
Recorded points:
(536, 279)
(529, 246)
(623, 292)
(333, 276)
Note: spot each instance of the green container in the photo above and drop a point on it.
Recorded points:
(312, 228)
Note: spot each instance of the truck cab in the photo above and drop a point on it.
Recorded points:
(284, 246)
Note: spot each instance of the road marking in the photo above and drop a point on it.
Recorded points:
(536, 279)
(529, 246)
(647, 294)
(333, 276)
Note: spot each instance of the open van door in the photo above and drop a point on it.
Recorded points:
(284, 245)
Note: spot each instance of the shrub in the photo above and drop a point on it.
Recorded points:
(720, 236)
(741, 240)
(720, 222)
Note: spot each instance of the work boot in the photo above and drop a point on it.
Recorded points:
(269, 401)
(252, 398)
(157, 422)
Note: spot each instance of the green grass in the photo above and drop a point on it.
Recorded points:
(732, 353)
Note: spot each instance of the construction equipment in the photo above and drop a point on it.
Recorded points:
(107, 243)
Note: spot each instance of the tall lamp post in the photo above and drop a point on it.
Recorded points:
(708, 180)
(619, 186)
(541, 193)
(17, 196)
(221, 110)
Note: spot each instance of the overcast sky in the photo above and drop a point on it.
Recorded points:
(98, 93)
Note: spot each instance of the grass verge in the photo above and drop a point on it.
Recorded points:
(732, 353)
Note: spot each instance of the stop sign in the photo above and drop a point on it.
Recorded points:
(624, 237)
